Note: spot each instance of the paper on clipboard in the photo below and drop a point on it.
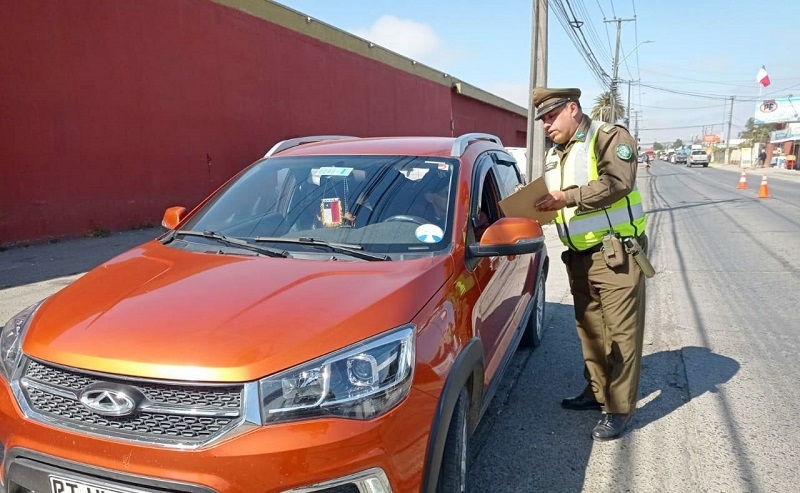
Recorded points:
(521, 203)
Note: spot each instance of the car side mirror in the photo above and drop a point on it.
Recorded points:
(509, 236)
(173, 216)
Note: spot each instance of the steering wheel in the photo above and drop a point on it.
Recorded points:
(407, 219)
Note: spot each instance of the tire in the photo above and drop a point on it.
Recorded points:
(534, 326)
(455, 457)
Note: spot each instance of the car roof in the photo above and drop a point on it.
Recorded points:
(400, 146)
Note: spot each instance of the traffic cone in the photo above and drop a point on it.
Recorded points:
(742, 181)
(763, 192)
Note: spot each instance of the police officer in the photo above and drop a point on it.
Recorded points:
(591, 175)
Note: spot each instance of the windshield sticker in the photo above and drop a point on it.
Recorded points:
(333, 171)
(429, 233)
(331, 212)
(439, 165)
(414, 174)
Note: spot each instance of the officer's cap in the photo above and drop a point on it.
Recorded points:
(546, 99)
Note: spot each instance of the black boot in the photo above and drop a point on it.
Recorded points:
(581, 403)
(610, 426)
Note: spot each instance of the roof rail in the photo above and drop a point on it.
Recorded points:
(462, 142)
(286, 144)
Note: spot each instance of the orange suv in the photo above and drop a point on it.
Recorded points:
(333, 319)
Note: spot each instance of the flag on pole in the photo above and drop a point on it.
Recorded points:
(762, 77)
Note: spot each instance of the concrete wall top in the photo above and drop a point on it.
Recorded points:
(304, 24)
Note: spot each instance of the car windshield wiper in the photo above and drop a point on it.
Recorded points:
(353, 250)
(270, 252)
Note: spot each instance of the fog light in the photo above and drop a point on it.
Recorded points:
(374, 485)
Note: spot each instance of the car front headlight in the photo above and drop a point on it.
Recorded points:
(11, 341)
(361, 381)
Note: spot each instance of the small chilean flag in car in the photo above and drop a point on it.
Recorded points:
(762, 77)
(331, 211)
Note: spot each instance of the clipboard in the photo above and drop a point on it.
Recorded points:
(521, 203)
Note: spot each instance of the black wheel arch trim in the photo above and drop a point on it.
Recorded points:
(470, 359)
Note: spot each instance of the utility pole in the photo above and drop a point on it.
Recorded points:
(636, 127)
(614, 80)
(628, 118)
(728, 138)
(535, 135)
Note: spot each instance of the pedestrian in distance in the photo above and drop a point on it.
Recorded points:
(591, 174)
(762, 158)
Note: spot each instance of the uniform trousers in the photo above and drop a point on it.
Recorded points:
(609, 315)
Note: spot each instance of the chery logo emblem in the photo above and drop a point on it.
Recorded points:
(109, 402)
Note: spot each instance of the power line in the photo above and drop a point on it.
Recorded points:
(570, 26)
(685, 127)
(592, 32)
(685, 93)
(683, 107)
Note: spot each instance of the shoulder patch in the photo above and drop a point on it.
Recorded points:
(624, 152)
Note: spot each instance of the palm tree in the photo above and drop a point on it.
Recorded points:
(602, 107)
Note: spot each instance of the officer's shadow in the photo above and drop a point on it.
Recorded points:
(669, 379)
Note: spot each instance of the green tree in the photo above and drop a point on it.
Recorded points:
(754, 133)
(678, 144)
(658, 146)
(602, 107)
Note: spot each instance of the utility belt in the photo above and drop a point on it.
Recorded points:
(614, 251)
(599, 246)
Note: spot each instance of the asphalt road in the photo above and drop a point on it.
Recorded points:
(718, 406)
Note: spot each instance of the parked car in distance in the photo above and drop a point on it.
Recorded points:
(697, 157)
(334, 318)
(681, 157)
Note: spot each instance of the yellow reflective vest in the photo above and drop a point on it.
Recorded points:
(581, 230)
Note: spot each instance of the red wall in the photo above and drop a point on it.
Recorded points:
(112, 110)
(471, 115)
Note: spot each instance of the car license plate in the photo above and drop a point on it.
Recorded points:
(64, 485)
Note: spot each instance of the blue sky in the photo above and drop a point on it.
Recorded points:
(711, 49)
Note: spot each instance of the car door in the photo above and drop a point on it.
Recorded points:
(493, 316)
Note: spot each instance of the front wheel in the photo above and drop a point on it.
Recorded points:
(453, 471)
(534, 327)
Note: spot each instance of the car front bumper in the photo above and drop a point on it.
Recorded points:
(303, 456)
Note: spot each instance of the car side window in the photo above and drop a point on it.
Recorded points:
(486, 210)
(508, 176)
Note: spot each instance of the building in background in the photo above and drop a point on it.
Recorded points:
(152, 104)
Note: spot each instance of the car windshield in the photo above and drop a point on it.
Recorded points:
(381, 204)
(695, 153)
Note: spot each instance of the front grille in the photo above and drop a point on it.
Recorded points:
(177, 414)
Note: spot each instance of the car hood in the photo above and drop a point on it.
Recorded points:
(160, 312)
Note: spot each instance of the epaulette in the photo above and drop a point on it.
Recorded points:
(607, 127)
